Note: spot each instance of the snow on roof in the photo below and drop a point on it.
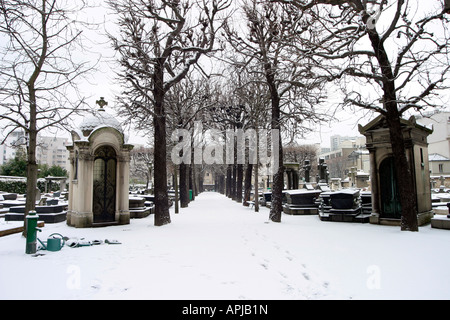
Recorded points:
(301, 191)
(100, 119)
(437, 157)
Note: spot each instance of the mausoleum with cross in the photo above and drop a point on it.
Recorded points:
(99, 172)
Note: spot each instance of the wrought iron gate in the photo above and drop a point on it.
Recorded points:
(104, 201)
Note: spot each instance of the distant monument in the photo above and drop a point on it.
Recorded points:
(291, 171)
(307, 169)
(323, 175)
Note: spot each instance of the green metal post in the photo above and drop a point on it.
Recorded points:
(32, 229)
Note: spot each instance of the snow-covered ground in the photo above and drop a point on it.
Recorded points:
(218, 249)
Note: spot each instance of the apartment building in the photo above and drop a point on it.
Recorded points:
(438, 142)
(9, 148)
(52, 151)
(350, 153)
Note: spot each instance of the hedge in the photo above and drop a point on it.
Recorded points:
(19, 185)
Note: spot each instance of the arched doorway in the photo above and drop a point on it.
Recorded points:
(104, 200)
(390, 201)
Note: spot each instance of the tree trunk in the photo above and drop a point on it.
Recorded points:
(277, 190)
(277, 185)
(195, 181)
(162, 216)
(32, 168)
(248, 184)
(239, 180)
(221, 184)
(447, 6)
(32, 173)
(404, 175)
(175, 183)
(201, 188)
(257, 173)
(228, 182)
(191, 182)
(256, 188)
(233, 182)
(184, 187)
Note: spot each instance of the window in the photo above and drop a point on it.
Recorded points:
(75, 176)
(441, 168)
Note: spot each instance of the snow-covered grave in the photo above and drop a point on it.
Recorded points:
(218, 249)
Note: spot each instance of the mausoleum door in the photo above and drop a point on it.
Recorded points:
(104, 200)
(390, 202)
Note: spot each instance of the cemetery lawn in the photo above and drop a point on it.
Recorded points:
(219, 250)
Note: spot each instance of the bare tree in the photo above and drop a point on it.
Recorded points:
(227, 114)
(142, 164)
(39, 71)
(398, 50)
(160, 42)
(185, 103)
(267, 47)
(252, 94)
(294, 152)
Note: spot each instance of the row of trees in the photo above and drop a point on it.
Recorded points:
(262, 64)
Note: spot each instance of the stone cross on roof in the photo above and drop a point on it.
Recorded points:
(101, 102)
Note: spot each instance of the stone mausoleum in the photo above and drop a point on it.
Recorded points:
(99, 172)
(386, 208)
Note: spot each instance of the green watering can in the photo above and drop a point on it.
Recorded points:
(54, 242)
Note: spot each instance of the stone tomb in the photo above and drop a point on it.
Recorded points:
(343, 206)
(325, 204)
(99, 172)
(386, 207)
(366, 202)
(291, 172)
(266, 199)
(301, 202)
(47, 213)
(441, 219)
(440, 222)
(138, 208)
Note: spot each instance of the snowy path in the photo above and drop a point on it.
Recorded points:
(218, 249)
